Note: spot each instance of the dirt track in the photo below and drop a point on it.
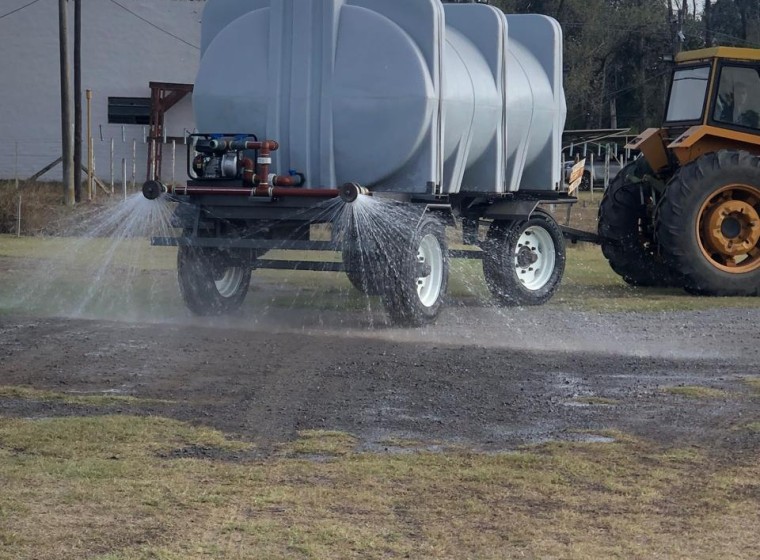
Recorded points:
(485, 379)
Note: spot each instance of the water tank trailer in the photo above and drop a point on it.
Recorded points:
(438, 114)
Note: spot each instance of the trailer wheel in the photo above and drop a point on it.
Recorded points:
(210, 283)
(709, 224)
(417, 275)
(524, 260)
(626, 231)
(362, 261)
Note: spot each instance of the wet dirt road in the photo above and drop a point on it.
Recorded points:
(485, 379)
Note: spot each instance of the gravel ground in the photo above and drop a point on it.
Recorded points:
(483, 378)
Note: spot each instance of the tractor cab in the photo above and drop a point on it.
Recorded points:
(716, 87)
(714, 103)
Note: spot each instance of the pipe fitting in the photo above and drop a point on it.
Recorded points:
(153, 189)
(351, 191)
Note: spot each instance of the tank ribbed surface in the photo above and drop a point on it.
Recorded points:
(398, 95)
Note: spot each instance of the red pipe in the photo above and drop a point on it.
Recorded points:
(249, 176)
(263, 162)
(290, 191)
(254, 191)
(248, 171)
(282, 185)
(238, 145)
(288, 180)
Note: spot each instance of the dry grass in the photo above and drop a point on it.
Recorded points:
(26, 393)
(104, 488)
(583, 214)
(85, 253)
(753, 383)
(596, 401)
(589, 283)
(697, 392)
(41, 206)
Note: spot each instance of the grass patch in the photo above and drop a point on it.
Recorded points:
(26, 393)
(404, 443)
(753, 383)
(140, 278)
(753, 427)
(697, 392)
(596, 401)
(590, 284)
(42, 208)
(41, 204)
(102, 488)
(320, 442)
(78, 252)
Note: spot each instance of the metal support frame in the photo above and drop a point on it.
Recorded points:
(163, 96)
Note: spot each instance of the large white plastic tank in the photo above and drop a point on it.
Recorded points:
(410, 96)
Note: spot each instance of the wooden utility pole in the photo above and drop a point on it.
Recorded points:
(67, 158)
(78, 100)
(708, 24)
(90, 154)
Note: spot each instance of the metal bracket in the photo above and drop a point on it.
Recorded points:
(511, 209)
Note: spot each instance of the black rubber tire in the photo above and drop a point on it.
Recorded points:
(197, 272)
(626, 231)
(500, 267)
(400, 294)
(686, 194)
(364, 262)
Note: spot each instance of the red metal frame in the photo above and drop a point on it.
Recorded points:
(163, 96)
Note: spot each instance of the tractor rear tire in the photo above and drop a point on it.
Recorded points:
(627, 237)
(210, 283)
(709, 224)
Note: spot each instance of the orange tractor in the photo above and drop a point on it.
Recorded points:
(687, 212)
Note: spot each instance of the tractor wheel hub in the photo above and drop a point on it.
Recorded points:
(732, 227)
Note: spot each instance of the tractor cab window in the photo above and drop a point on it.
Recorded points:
(687, 95)
(738, 100)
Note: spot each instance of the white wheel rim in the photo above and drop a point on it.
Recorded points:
(536, 245)
(430, 254)
(229, 283)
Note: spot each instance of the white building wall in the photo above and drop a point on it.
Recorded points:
(121, 54)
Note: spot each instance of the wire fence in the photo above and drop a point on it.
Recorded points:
(118, 164)
(115, 162)
(603, 160)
